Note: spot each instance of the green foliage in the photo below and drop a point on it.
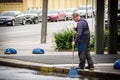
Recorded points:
(106, 39)
(63, 39)
(92, 41)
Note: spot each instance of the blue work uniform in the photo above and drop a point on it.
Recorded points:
(82, 40)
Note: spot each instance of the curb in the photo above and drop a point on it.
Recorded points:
(51, 69)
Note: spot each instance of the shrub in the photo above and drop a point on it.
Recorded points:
(105, 39)
(63, 39)
(92, 41)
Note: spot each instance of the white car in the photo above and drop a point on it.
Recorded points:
(83, 12)
(106, 17)
(34, 15)
(69, 12)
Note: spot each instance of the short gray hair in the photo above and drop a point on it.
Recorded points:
(75, 14)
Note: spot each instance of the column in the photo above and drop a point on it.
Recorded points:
(112, 19)
(99, 28)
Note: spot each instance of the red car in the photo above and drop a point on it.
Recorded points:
(56, 15)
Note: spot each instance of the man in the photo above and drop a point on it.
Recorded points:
(82, 41)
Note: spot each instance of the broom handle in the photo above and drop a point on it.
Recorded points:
(72, 48)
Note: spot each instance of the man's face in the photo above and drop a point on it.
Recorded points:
(75, 18)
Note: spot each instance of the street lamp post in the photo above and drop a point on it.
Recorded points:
(44, 21)
(86, 9)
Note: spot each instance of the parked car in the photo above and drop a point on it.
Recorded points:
(82, 11)
(69, 12)
(56, 15)
(106, 18)
(34, 15)
(12, 18)
(106, 15)
(118, 12)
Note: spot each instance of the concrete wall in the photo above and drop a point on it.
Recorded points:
(55, 4)
(11, 6)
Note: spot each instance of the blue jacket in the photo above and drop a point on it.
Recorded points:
(83, 35)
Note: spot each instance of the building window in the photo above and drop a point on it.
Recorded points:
(8, 1)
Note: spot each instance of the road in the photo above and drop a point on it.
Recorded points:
(25, 38)
(9, 73)
(22, 36)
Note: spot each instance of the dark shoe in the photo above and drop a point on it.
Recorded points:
(90, 67)
(79, 68)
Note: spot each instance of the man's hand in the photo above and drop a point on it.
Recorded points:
(73, 28)
(73, 43)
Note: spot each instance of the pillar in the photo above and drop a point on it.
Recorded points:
(99, 27)
(112, 19)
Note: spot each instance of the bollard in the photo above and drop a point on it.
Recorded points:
(10, 51)
(38, 51)
(116, 64)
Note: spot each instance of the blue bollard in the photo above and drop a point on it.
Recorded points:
(116, 64)
(10, 51)
(38, 51)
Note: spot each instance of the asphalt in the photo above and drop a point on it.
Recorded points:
(61, 62)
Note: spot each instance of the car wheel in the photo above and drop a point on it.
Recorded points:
(36, 21)
(12, 23)
(23, 22)
(57, 20)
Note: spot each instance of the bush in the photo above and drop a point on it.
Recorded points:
(63, 40)
(92, 41)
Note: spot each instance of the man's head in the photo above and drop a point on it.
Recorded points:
(75, 16)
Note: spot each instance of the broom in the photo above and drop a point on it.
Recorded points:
(72, 72)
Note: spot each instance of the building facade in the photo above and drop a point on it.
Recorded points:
(22, 5)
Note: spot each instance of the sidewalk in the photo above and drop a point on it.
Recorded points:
(50, 62)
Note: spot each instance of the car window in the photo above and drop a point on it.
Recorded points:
(33, 11)
(8, 14)
(83, 8)
(18, 13)
(52, 11)
(69, 10)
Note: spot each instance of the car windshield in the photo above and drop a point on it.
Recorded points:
(52, 11)
(33, 11)
(7, 14)
(82, 8)
(69, 10)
